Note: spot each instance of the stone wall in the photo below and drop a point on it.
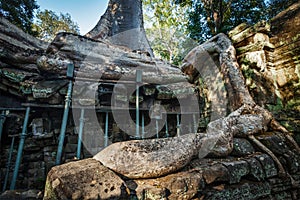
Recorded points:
(41, 142)
(245, 174)
(39, 149)
(269, 56)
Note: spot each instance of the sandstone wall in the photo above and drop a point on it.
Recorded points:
(269, 56)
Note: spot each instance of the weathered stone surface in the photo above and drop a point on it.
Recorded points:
(85, 179)
(236, 170)
(272, 76)
(280, 147)
(244, 190)
(203, 179)
(212, 170)
(248, 32)
(255, 58)
(35, 71)
(99, 59)
(223, 131)
(182, 185)
(174, 91)
(21, 195)
(268, 165)
(242, 147)
(256, 169)
(153, 193)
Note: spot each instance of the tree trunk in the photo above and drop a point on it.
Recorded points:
(122, 24)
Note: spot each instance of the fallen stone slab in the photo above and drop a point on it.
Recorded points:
(84, 179)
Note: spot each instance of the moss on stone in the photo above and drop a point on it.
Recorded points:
(277, 107)
(13, 76)
(244, 191)
(293, 103)
(49, 193)
(247, 71)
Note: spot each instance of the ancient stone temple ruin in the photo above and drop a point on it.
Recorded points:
(162, 132)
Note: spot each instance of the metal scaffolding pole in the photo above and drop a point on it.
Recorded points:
(137, 122)
(2, 120)
(178, 125)
(167, 128)
(64, 125)
(143, 126)
(106, 130)
(137, 126)
(20, 150)
(81, 125)
(70, 73)
(8, 163)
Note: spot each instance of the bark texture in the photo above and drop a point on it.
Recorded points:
(123, 24)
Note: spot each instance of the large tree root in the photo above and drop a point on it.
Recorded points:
(239, 95)
(153, 158)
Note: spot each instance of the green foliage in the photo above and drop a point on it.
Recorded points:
(48, 24)
(250, 11)
(19, 12)
(199, 20)
(198, 26)
(166, 24)
(207, 18)
(276, 6)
